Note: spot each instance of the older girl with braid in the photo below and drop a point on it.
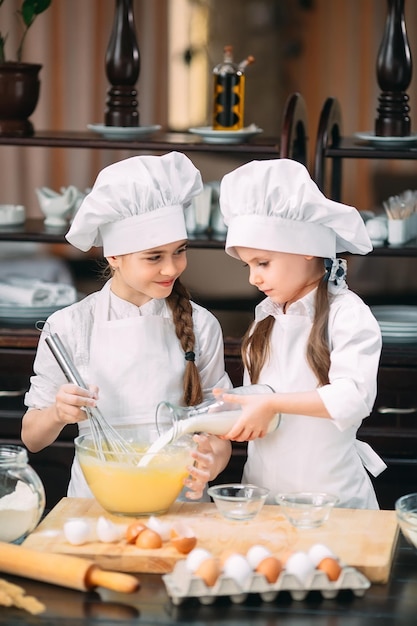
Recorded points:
(140, 339)
(313, 340)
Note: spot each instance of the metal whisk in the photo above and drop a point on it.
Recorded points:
(109, 444)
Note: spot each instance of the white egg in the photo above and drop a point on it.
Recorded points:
(77, 531)
(195, 558)
(300, 565)
(237, 567)
(256, 554)
(318, 552)
(109, 532)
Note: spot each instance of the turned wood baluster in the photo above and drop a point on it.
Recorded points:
(122, 69)
(394, 71)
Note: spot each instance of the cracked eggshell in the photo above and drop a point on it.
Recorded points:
(78, 531)
(162, 528)
(109, 532)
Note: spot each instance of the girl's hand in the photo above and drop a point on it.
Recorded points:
(71, 400)
(257, 412)
(200, 472)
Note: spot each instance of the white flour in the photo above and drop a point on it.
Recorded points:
(18, 512)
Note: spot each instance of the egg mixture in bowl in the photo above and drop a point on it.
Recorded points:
(123, 484)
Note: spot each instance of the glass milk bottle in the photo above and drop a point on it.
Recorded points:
(213, 416)
(22, 495)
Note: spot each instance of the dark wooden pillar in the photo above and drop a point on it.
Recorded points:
(394, 71)
(122, 69)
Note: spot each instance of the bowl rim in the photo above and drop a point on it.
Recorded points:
(398, 506)
(262, 492)
(289, 498)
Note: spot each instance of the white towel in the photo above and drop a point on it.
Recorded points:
(16, 290)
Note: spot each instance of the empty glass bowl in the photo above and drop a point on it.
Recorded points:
(306, 509)
(238, 502)
(406, 510)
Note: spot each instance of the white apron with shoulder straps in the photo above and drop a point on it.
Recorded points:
(307, 453)
(136, 362)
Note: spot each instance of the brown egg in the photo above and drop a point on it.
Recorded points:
(209, 571)
(331, 567)
(148, 539)
(133, 531)
(270, 567)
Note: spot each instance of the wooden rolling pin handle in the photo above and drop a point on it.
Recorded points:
(117, 581)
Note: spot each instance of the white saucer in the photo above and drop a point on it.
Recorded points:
(123, 132)
(225, 136)
(376, 140)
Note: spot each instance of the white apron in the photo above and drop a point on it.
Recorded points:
(136, 362)
(307, 453)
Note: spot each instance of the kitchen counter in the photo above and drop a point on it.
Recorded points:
(393, 603)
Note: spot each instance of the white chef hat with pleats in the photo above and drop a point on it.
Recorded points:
(275, 205)
(137, 204)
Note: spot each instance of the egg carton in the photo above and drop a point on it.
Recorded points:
(182, 584)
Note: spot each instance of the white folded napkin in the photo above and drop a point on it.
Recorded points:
(35, 293)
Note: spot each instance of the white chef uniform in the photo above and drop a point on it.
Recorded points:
(131, 353)
(274, 205)
(316, 454)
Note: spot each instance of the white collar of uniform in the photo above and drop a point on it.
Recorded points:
(304, 306)
(120, 308)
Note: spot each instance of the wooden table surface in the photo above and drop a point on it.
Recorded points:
(393, 603)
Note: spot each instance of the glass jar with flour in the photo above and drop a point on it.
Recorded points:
(22, 495)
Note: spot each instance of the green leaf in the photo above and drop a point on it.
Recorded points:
(32, 8)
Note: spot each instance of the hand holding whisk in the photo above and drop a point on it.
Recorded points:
(109, 444)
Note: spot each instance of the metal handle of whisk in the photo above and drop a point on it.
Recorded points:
(64, 361)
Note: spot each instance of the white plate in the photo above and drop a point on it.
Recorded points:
(376, 140)
(225, 136)
(404, 315)
(123, 132)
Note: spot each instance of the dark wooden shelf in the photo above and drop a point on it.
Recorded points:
(158, 142)
(353, 148)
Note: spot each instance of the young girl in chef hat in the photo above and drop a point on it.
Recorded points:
(140, 339)
(313, 340)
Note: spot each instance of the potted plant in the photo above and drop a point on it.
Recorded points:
(19, 81)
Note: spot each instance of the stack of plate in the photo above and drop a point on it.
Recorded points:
(398, 323)
(16, 315)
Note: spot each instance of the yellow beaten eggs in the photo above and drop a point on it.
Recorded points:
(123, 487)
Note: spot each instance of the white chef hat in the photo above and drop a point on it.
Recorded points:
(275, 205)
(137, 204)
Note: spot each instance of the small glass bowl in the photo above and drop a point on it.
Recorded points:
(238, 502)
(406, 511)
(306, 509)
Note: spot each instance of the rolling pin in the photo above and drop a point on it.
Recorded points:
(61, 569)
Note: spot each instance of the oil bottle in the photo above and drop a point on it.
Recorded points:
(229, 92)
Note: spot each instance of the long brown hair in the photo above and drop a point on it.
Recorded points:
(256, 344)
(182, 314)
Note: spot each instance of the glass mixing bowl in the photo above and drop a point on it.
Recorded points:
(125, 486)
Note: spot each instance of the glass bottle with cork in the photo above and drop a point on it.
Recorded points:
(229, 92)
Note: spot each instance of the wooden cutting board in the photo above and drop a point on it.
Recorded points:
(362, 539)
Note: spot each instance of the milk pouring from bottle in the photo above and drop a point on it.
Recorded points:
(213, 416)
